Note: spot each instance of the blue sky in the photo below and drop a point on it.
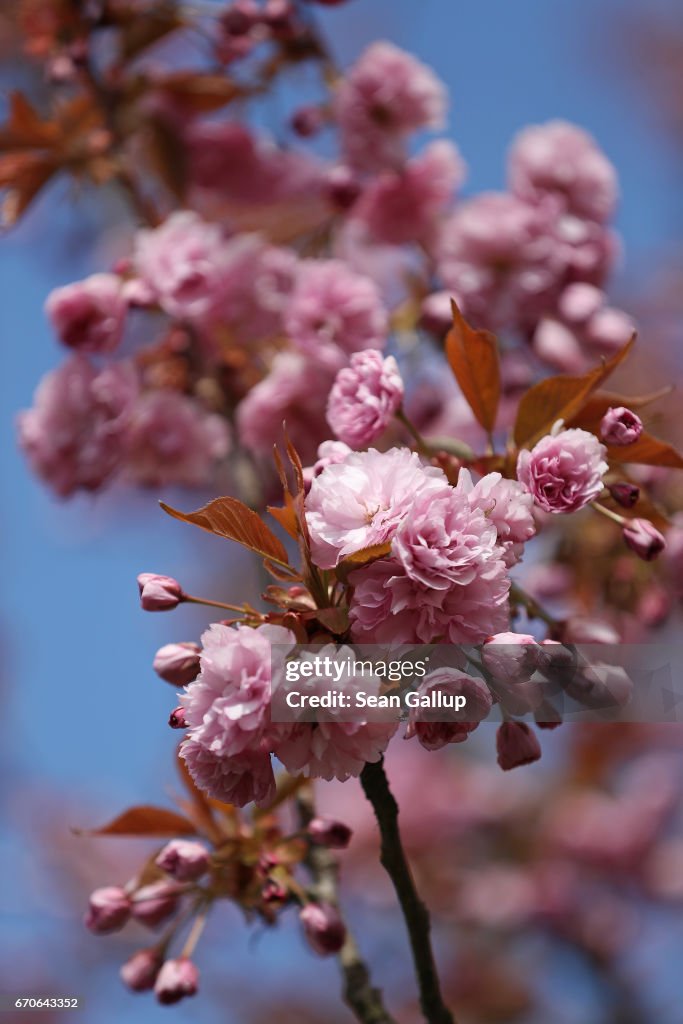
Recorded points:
(87, 715)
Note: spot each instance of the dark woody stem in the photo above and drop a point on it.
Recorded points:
(364, 1001)
(392, 855)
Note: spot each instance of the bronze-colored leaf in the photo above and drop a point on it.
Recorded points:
(560, 398)
(228, 517)
(144, 821)
(473, 356)
(363, 557)
(286, 517)
(647, 450)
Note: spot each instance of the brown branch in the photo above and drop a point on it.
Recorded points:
(376, 788)
(360, 996)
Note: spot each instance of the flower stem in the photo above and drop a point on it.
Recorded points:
(533, 609)
(614, 516)
(364, 1001)
(212, 604)
(376, 788)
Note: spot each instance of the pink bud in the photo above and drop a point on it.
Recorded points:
(642, 537)
(140, 972)
(600, 686)
(555, 343)
(159, 593)
(510, 657)
(307, 121)
(109, 909)
(177, 719)
(620, 426)
(516, 745)
(342, 186)
(178, 663)
(624, 493)
(176, 979)
(335, 835)
(183, 859)
(324, 927)
(436, 313)
(153, 903)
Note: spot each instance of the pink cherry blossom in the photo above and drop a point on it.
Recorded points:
(386, 95)
(390, 607)
(173, 439)
(183, 262)
(507, 506)
(405, 205)
(361, 501)
(89, 315)
(294, 393)
(227, 708)
(229, 164)
(445, 541)
(564, 161)
(76, 433)
(338, 743)
(364, 398)
(564, 471)
(500, 259)
(334, 311)
(234, 780)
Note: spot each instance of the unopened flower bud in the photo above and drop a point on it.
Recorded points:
(153, 903)
(307, 121)
(509, 657)
(177, 663)
(109, 909)
(324, 928)
(159, 593)
(176, 979)
(183, 859)
(654, 606)
(620, 426)
(140, 972)
(624, 493)
(642, 537)
(436, 313)
(177, 719)
(516, 745)
(335, 835)
(342, 186)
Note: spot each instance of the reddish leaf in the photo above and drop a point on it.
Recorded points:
(647, 450)
(360, 558)
(24, 128)
(473, 356)
(286, 517)
(228, 517)
(144, 821)
(560, 398)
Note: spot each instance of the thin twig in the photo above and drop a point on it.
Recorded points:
(362, 999)
(376, 787)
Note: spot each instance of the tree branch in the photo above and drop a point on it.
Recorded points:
(376, 788)
(359, 995)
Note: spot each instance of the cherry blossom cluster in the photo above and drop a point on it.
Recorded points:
(267, 283)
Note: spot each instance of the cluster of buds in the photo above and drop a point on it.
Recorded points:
(253, 863)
